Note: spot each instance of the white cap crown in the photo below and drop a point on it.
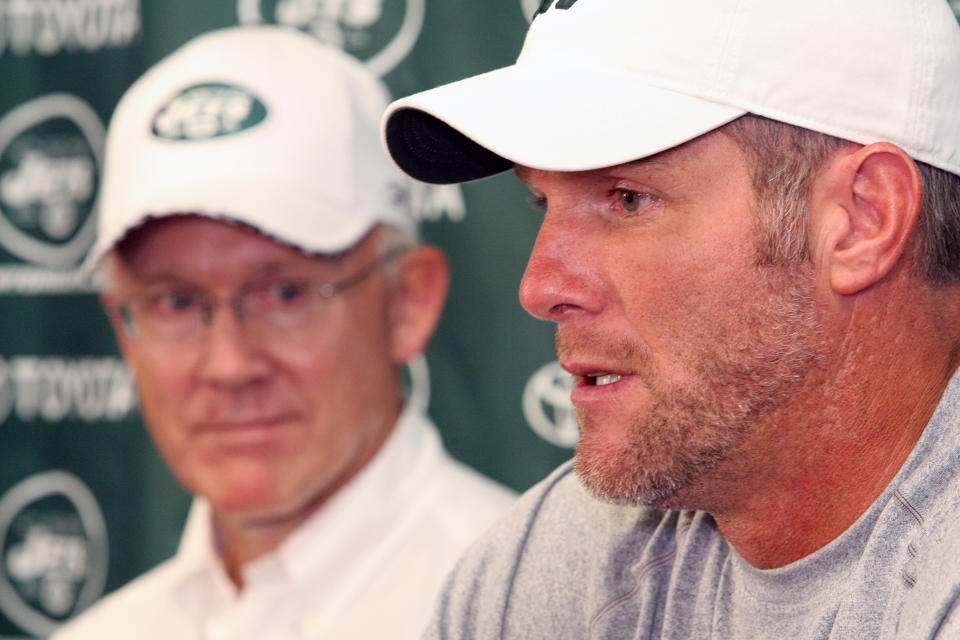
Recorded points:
(261, 125)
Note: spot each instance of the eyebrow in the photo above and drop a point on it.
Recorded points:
(658, 162)
(173, 273)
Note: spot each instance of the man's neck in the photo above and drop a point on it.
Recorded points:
(843, 442)
(240, 541)
(244, 537)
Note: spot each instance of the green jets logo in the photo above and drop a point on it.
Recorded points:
(205, 111)
(379, 33)
(561, 4)
(54, 550)
(49, 168)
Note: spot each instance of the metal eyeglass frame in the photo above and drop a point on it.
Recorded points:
(326, 290)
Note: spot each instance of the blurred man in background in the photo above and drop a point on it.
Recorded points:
(265, 283)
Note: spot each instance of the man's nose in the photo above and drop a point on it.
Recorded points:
(561, 277)
(230, 354)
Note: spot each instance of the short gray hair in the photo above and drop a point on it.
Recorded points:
(784, 162)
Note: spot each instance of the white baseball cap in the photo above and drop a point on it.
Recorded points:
(602, 82)
(263, 125)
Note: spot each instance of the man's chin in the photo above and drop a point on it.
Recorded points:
(253, 497)
(615, 482)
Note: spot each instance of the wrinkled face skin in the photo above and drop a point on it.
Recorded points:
(265, 427)
(680, 343)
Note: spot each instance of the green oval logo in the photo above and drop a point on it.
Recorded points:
(48, 178)
(210, 110)
(381, 33)
(50, 151)
(54, 549)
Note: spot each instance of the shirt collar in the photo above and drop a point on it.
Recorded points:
(355, 517)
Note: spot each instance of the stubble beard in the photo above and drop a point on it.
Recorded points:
(739, 367)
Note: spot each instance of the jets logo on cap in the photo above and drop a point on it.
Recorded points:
(205, 111)
(561, 4)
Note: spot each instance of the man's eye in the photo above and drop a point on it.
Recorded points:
(287, 292)
(170, 302)
(633, 200)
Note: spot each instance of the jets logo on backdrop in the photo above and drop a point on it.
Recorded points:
(53, 541)
(50, 158)
(379, 32)
(547, 407)
(207, 111)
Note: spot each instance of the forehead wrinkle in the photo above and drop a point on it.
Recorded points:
(662, 162)
(669, 159)
(175, 272)
(296, 265)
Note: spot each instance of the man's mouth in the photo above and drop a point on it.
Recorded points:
(601, 379)
(242, 424)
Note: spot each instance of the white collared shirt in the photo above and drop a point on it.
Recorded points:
(367, 565)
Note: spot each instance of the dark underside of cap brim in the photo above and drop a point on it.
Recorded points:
(430, 150)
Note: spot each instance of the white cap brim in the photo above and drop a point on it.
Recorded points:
(604, 82)
(543, 117)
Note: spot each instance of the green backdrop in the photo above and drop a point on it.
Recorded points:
(85, 503)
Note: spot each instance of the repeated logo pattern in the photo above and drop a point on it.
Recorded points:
(547, 407)
(49, 27)
(51, 389)
(50, 162)
(53, 541)
(377, 32)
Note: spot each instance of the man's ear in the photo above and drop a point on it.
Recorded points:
(874, 195)
(109, 302)
(417, 299)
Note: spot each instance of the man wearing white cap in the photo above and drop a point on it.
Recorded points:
(265, 285)
(750, 246)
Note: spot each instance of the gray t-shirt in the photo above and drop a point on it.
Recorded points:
(564, 565)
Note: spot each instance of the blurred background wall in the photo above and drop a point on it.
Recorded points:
(85, 502)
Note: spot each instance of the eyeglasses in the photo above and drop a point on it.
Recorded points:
(179, 313)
